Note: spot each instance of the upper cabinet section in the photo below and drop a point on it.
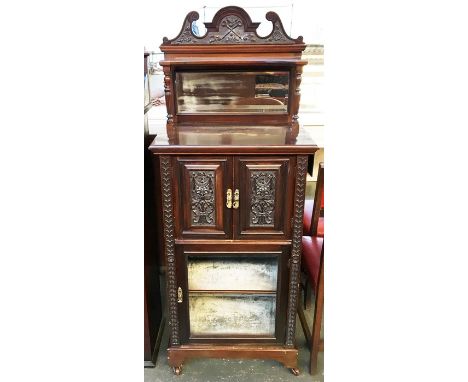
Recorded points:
(231, 75)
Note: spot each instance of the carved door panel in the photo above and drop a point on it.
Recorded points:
(200, 189)
(265, 187)
(232, 294)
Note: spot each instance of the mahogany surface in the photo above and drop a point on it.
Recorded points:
(232, 139)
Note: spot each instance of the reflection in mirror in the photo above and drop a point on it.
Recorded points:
(231, 92)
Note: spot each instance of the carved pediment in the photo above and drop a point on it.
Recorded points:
(231, 25)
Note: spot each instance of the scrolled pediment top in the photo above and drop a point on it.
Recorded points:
(231, 25)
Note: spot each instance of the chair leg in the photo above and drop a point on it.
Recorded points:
(308, 296)
(305, 287)
(316, 344)
(305, 326)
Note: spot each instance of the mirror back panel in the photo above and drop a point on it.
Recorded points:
(232, 92)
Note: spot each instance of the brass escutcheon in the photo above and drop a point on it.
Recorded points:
(179, 295)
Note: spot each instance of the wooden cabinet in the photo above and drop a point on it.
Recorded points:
(232, 165)
(232, 273)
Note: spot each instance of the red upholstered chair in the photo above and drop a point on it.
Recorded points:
(313, 223)
(312, 266)
(312, 263)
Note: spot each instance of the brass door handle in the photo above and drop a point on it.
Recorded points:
(235, 205)
(229, 198)
(179, 295)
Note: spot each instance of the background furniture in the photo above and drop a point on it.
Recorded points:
(312, 266)
(313, 209)
(313, 226)
(232, 167)
(313, 261)
(153, 312)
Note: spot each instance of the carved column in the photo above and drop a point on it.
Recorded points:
(169, 244)
(297, 100)
(296, 250)
(169, 95)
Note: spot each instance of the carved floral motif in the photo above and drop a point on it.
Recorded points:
(186, 36)
(202, 194)
(277, 35)
(263, 188)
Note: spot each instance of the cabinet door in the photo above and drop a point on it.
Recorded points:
(266, 195)
(232, 293)
(200, 189)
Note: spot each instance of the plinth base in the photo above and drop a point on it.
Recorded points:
(178, 355)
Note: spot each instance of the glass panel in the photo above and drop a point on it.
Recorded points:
(212, 314)
(232, 92)
(228, 273)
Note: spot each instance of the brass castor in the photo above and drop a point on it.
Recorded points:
(177, 370)
(295, 371)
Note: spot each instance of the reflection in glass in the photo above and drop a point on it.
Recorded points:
(232, 314)
(231, 92)
(227, 273)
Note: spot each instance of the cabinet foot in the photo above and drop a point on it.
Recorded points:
(177, 370)
(295, 371)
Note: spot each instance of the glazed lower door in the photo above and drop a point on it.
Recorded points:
(232, 296)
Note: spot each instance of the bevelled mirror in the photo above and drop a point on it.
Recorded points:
(232, 92)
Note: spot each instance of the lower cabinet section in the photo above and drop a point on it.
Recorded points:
(231, 293)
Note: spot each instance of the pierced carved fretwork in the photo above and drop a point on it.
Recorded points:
(296, 249)
(168, 225)
(263, 189)
(202, 196)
